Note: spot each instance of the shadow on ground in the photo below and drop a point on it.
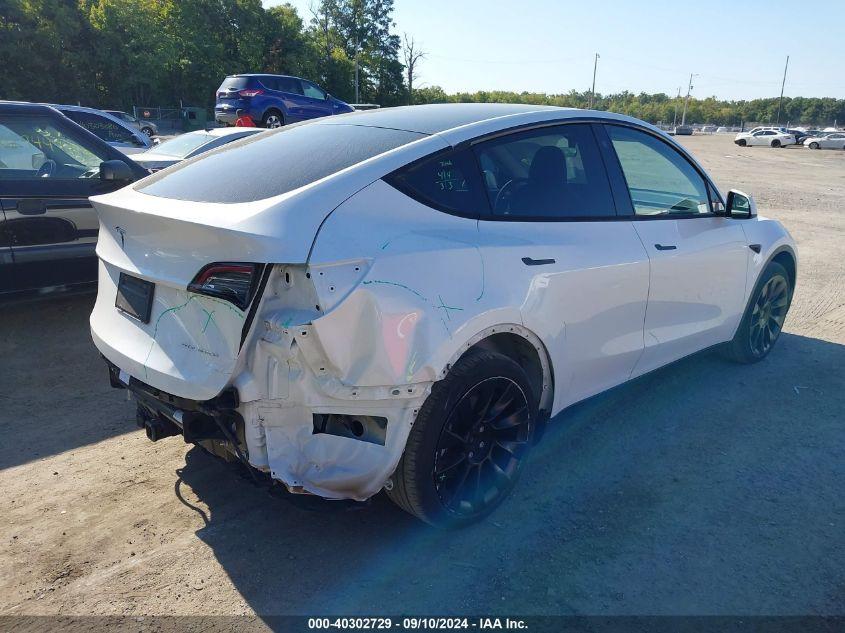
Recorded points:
(58, 397)
(705, 487)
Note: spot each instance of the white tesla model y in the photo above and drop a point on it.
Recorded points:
(400, 299)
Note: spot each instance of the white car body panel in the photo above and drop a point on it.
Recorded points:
(372, 296)
(696, 298)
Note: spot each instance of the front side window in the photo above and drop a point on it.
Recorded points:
(34, 147)
(313, 91)
(108, 130)
(446, 181)
(554, 173)
(660, 180)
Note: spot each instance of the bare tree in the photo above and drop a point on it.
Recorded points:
(413, 55)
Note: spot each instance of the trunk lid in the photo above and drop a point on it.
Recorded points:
(191, 343)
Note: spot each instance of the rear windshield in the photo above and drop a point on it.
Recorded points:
(237, 83)
(270, 164)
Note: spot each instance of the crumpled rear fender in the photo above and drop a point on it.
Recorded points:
(385, 306)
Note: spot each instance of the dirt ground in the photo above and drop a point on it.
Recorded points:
(703, 488)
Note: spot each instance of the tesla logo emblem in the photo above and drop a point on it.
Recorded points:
(122, 232)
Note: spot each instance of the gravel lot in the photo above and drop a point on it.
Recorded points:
(704, 488)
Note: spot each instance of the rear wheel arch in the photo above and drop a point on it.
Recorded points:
(271, 111)
(527, 350)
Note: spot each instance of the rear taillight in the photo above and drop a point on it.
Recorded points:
(250, 93)
(233, 281)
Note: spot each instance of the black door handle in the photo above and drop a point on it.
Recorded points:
(536, 262)
(32, 207)
(667, 247)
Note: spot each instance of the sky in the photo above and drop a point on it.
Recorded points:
(736, 48)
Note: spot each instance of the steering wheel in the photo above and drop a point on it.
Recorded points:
(48, 167)
(506, 192)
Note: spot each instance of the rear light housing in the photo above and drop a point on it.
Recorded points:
(250, 92)
(235, 282)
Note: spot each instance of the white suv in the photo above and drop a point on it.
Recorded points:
(401, 299)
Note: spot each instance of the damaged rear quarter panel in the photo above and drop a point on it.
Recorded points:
(401, 295)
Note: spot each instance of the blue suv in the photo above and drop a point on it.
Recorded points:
(274, 100)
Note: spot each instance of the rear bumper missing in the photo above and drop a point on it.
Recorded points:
(162, 414)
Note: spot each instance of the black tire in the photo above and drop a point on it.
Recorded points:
(273, 119)
(814, 145)
(776, 143)
(763, 319)
(148, 131)
(459, 464)
(742, 142)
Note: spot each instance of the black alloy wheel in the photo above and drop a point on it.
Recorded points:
(768, 315)
(482, 445)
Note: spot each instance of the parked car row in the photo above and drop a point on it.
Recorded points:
(783, 137)
(826, 140)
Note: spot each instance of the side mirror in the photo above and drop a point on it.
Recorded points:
(328, 97)
(740, 205)
(116, 170)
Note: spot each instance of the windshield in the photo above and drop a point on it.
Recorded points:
(290, 157)
(183, 145)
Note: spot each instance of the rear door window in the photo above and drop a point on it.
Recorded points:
(289, 84)
(108, 130)
(447, 181)
(548, 173)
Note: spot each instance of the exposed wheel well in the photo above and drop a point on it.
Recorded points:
(785, 259)
(527, 355)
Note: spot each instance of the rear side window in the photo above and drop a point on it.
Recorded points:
(447, 181)
(549, 173)
(108, 130)
(270, 164)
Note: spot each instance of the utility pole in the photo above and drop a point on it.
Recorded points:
(780, 103)
(686, 101)
(675, 118)
(357, 100)
(593, 91)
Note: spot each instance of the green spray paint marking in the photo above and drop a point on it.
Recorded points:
(398, 285)
(446, 308)
(409, 372)
(208, 320)
(175, 309)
